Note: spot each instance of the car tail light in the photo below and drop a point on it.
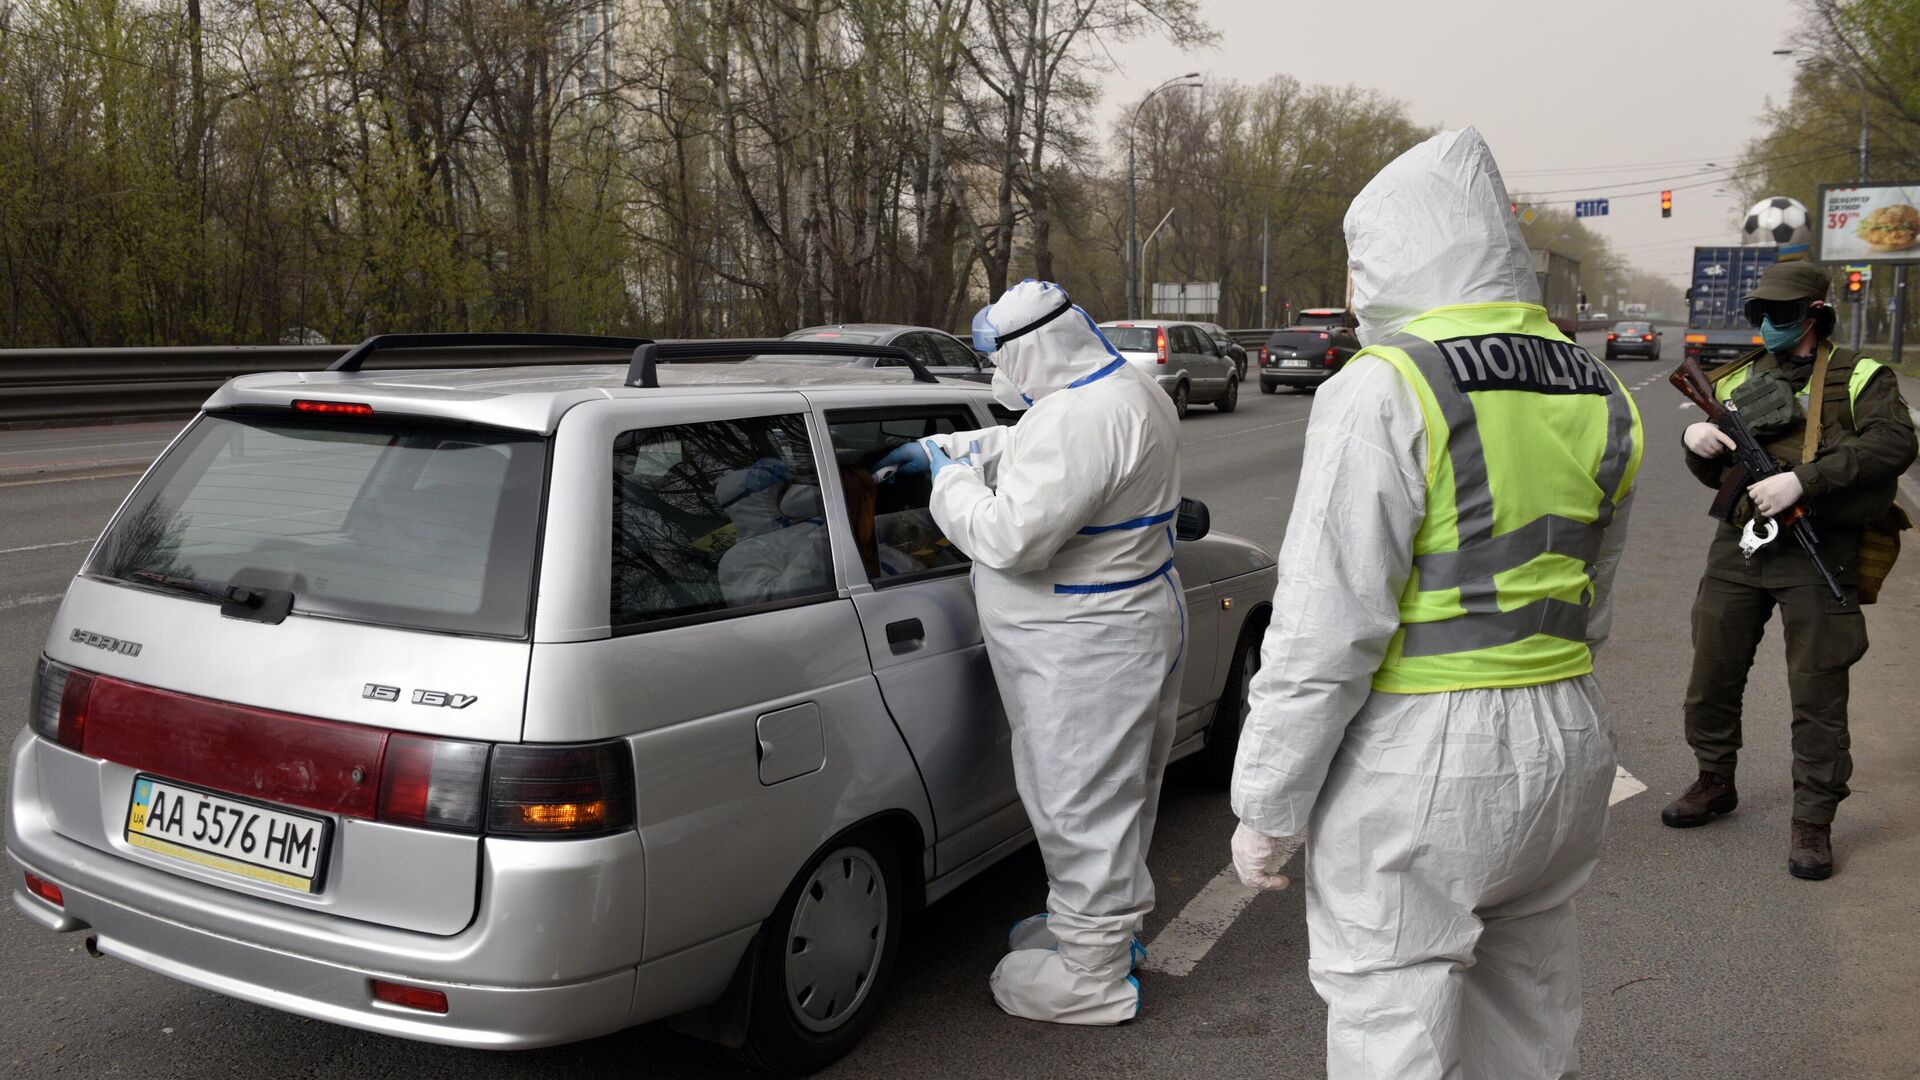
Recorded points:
(1646, 337)
(1696, 339)
(1160, 343)
(1613, 337)
(433, 783)
(334, 408)
(409, 997)
(59, 703)
(1264, 359)
(45, 890)
(1756, 340)
(541, 791)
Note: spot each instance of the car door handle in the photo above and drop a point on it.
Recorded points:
(905, 636)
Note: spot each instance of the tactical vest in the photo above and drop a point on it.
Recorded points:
(1847, 371)
(1531, 445)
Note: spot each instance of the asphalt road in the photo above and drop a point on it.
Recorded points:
(1702, 957)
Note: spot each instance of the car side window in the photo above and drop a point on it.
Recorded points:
(919, 345)
(716, 518)
(954, 354)
(892, 526)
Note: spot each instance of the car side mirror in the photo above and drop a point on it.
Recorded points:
(1193, 520)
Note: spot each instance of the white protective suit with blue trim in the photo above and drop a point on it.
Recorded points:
(1068, 518)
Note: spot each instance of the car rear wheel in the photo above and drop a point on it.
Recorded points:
(1230, 716)
(825, 957)
(1180, 400)
(1268, 388)
(1231, 399)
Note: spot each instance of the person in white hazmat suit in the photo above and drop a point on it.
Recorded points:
(1069, 519)
(1425, 711)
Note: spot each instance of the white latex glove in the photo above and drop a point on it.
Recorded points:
(1706, 440)
(1253, 854)
(1776, 494)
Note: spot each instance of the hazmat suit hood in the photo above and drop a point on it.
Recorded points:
(1434, 228)
(1065, 350)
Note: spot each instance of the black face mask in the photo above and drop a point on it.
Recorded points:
(1779, 312)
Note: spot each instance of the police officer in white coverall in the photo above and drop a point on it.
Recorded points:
(1069, 521)
(1425, 710)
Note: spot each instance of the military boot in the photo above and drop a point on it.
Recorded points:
(1711, 794)
(1812, 854)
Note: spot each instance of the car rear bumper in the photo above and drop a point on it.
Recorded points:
(1308, 376)
(1637, 348)
(552, 956)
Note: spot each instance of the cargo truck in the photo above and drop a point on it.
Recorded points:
(1559, 278)
(1717, 330)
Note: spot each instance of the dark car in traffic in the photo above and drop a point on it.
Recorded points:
(1303, 357)
(1637, 339)
(942, 353)
(1229, 348)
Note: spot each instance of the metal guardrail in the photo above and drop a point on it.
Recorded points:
(41, 385)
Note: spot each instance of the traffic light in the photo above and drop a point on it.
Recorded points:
(1856, 284)
(1666, 204)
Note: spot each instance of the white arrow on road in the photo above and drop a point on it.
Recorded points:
(1181, 944)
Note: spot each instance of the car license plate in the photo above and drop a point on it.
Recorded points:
(223, 833)
(1294, 361)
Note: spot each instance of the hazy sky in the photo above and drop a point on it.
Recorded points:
(1609, 96)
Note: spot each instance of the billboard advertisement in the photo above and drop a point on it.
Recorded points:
(1869, 223)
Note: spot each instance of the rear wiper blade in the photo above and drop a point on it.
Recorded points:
(236, 601)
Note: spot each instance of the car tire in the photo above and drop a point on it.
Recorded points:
(1230, 716)
(1611, 357)
(1229, 400)
(1180, 400)
(851, 889)
(1268, 388)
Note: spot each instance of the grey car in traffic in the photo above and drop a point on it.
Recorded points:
(1182, 357)
(507, 707)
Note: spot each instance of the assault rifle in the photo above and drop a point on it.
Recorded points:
(1751, 464)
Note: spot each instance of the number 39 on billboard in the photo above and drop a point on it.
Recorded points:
(1861, 223)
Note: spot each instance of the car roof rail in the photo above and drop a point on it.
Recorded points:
(357, 355)
(647, 355)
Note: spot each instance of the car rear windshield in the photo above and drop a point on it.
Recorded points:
(1333, 317)
(1633, 328)
(391, 522)
(1299, 339)
(1131, 338)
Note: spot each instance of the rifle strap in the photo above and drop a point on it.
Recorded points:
(1817, 390)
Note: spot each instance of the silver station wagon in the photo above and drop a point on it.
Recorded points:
(505, 707)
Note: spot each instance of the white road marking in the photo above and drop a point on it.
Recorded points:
(43, 547)
(65, 479)
(9, 602)
(1249, 431)
(1625, 786)
(1685, 405)
(1184, 942)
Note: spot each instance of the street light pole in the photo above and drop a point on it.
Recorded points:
(1860, 307)
(1133, 226)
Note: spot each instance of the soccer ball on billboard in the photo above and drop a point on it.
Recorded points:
(1779, 220)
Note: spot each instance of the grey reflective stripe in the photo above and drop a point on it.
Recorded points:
(1472, 495)
(1550, 533)
(1468, 633)
(1619, 451)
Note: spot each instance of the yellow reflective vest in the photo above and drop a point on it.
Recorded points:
(1531, 445)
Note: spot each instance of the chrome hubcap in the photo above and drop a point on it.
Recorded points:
(838, 934)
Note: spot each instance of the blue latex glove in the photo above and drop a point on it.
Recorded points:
(937, 458)
(907, 459)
